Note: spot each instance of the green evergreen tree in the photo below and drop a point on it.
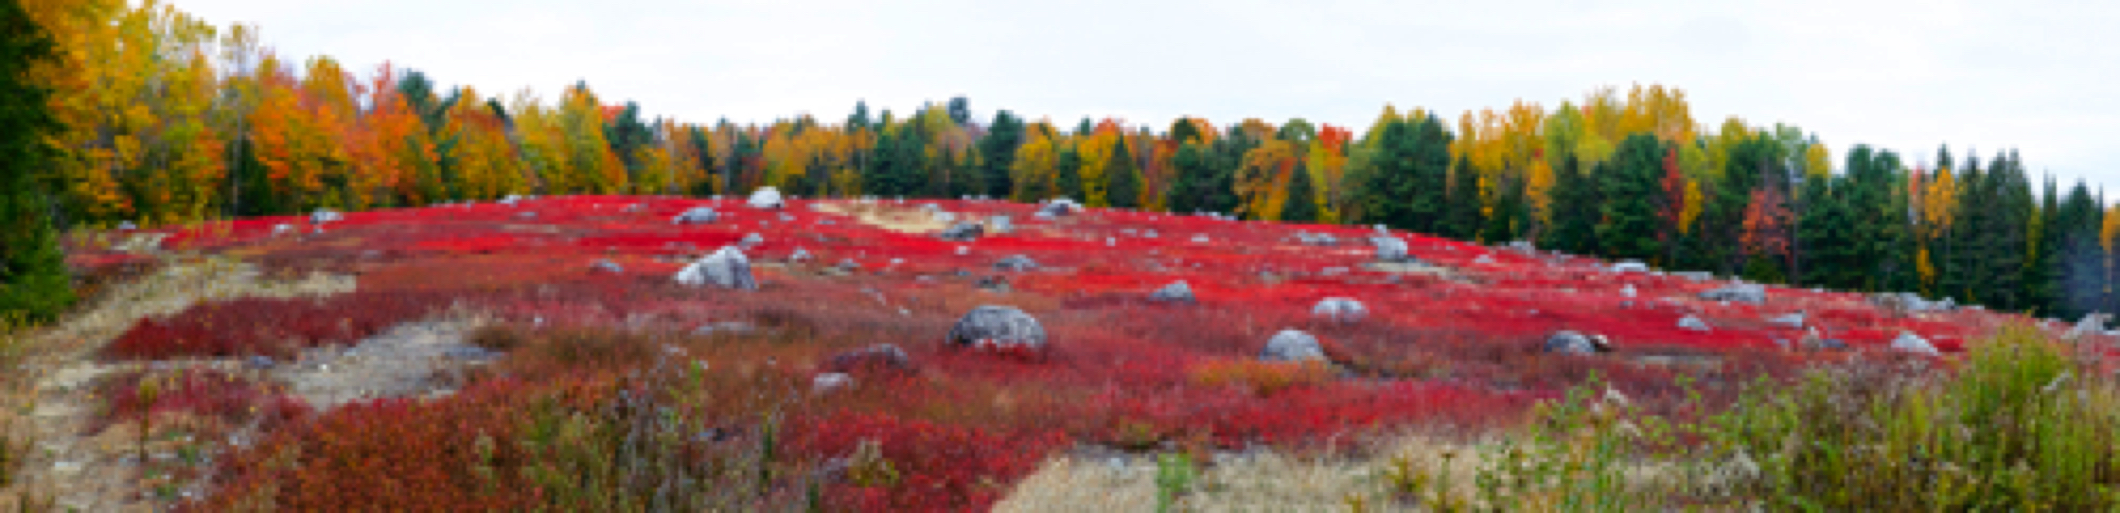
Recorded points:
(34, 284)
(2042, 296)
(1630, 221)
(1575, 211)
(1068, 174)
(1825, 229)
(1199, 185)
(2079, 259)
(1123, 187)
(1407, 187)
(1964, 246)
(1511, 214)
(1302, 204)
(998, 152)
(1462, 218)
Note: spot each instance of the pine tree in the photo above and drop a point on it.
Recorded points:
(1198, 187)
(1630, 221)
(1462, 219)
(2040, 270)
(1411, 173)
(2080, 279)
(1068, 174)
(1511, 213)
(1965, 247)
(1302, 204)
(1575, 209)
(34, 284)
(1825, 230)
(1123, 188)
(998, 148)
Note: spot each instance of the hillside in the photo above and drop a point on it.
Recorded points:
(395, 358)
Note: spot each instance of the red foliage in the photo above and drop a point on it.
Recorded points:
(270, 326)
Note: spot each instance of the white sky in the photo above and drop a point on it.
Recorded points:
(2030, 75)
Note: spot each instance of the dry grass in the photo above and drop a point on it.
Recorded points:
(1258, 482)
(46, 394)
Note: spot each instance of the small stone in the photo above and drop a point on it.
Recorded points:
(1017, 263)
(1742, 292)
(1571, 342)
(831, 381)
(608, 266)
(696, 215)
(1909, 342)
(1339, 309)
(963, 232)
(1630, 266)
(1693, 323)
(1176, 292)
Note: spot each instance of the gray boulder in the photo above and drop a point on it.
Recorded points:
(1630, 266)
(1317, 238)
(1293, 346)
(1176, 292)
(879, 357)
(1391, 249)
(1000, 224)
(1740, 292)
(128, 225)
(1571, 342)
(1339, 309)
(726, 268)
(1016, 263)
(766, 197)
(608, 266)
(1909, 342)
(800, 255)
(963, 232)
(325, 215)
(1059, 207)
(752, 240)
(998, 326)
(696, 215)
(2092, 324)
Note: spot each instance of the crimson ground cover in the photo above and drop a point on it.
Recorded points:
(1455, 341)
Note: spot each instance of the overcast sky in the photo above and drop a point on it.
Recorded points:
(2035, 76)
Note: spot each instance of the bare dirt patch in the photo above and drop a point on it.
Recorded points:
(50, 400)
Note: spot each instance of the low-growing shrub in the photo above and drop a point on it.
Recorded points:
(271, 326)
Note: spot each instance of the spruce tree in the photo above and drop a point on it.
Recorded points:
(1068, 174)
(1123, 189)
(1302, 206)
(998, 149)
(1825, 230)
(1406, 187)
(1575, 211)
(2080, 279)
(1462, 219)
(1510, 213)
(1630, 221)
(34, 284)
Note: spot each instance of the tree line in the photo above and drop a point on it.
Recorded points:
(158, 118)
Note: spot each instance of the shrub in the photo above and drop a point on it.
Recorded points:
(1262, 378)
